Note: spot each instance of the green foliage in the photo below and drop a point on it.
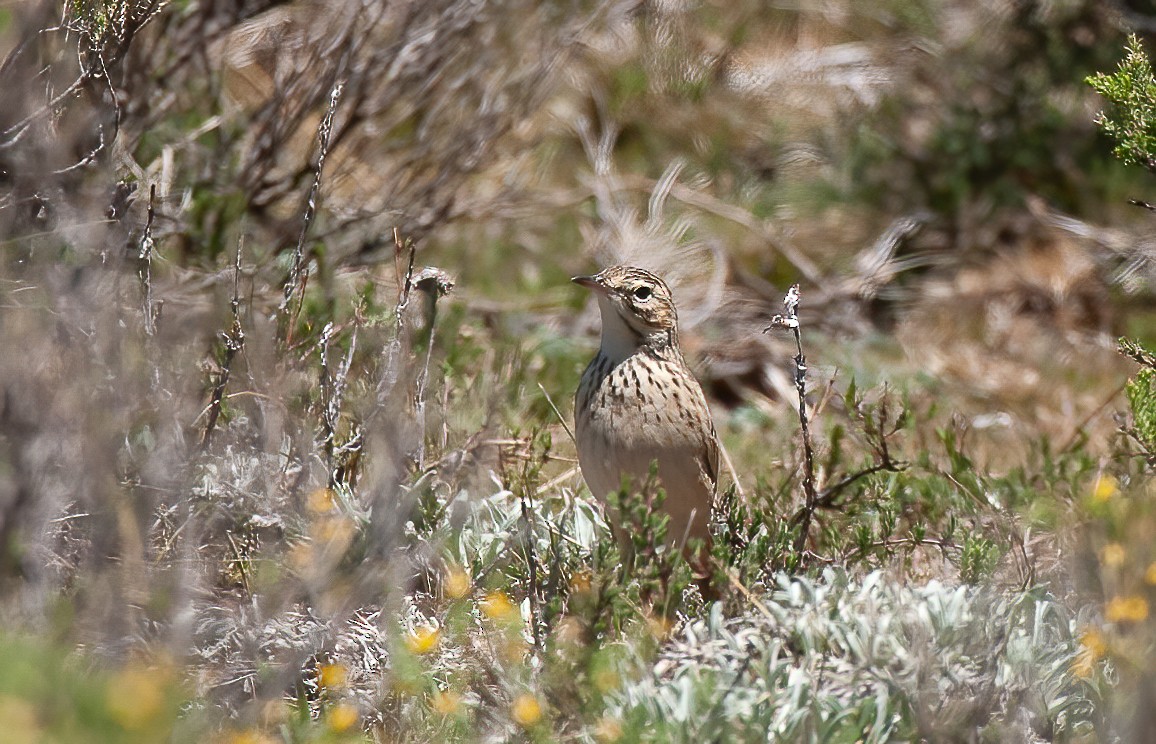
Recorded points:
(980, 126)
(1141, 391)
(1131, 118)
(978, 559)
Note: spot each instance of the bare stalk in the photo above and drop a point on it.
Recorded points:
(1136, 352)
(532, 562)
(432, 283)
(148, 308)
(299, 275)
(234, 341)
(790, 319)
(333, 386)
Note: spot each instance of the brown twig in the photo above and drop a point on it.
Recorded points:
(790, 319)
(404, 281)
(298, 274)
(332, 386)
(826, 497)
(234, 341)
(532, 563)
(432, 284)
(148, 308)
(1136, 352)
(895, 542)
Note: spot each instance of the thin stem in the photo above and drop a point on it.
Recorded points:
(148, 310)
(790, 319)
(298, 274)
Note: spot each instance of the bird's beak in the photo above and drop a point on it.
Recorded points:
(589, 282)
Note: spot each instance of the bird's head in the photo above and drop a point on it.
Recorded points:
(637, 307)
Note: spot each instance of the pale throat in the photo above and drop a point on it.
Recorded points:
(620, 341)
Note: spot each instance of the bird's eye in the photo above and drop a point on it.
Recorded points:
(642, 294)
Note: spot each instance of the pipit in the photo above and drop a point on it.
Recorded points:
(638, 403)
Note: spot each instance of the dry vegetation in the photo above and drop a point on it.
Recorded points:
(267, 474)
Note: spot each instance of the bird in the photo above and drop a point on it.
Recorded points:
(638, 403)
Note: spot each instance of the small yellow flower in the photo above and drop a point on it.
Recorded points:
(1104, 489)
(581, 583)
(608, 730)
(457, 582)
(249, 736)
(497, 606)
(422, 639)
(1150, 574)
(302, 557)
(135, 697)
(1084, 666)
(1093, 647)
(526, 710)
(1130, 609)
(20, 721)
(321, 501)
(445, 702)
(1094, 643)
(332, 676)
(341, 717)
(1113, 555)
(334, 533)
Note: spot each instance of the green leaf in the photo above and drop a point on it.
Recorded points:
(1141, 391)
(1130, 118)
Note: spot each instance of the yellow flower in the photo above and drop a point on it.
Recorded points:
(1093, 647)
(1084, 666)
(608, 730)
(1150, 574)
(249, 736)
(1113, 555)
(332, 676)
(457, 582)
(497, 606)
(526, 710)
(1130, 609)
(20, 721)
(1105, 488)
(1094, 643)
(341, 717)
(445, 702)
(581, 583)
(321, 501)
(302, 557)
(135, 697)
(422, 639)
(334, 533)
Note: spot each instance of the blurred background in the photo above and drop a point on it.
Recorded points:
(261, 474)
